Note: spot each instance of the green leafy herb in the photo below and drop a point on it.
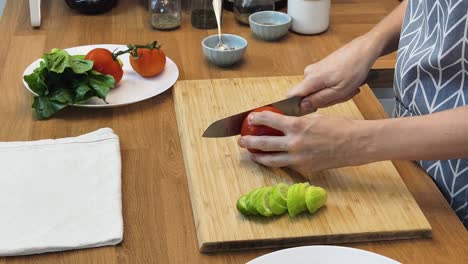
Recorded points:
(36, 80)
(45, 108)
(63, 79)
(101, 83)
(58, 60)
(83, 92)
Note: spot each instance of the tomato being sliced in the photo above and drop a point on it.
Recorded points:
(254, 130)
(105, 63)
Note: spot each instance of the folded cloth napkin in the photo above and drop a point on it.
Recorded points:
(60, 194)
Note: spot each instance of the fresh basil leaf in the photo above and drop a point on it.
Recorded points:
(83, 92)
(63, 96)
(66, 80)
(80, 57)
(63, 79)
(36, 81)
(80, 65)
(101, 83)
(57, 81)
(45, 108)
(79, 79)
(58, 60)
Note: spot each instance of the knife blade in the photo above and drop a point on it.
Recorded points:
(231, 126)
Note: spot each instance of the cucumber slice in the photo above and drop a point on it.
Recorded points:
(261, 202)
(249, 204)
(315, 197)
(241, 206)
(296, 198)
(277, 209)
(277, 200)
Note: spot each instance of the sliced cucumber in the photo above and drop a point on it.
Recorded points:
(249, 202)
(261, 202)
(315, 198)
(296, 198)
(241, 206)
(277, 209)
(278, 199)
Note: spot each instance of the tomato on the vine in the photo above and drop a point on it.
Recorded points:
(106, 63)
(254, 130)
(148, 62)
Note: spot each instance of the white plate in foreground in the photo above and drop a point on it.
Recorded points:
(322, 255)
(132, 88)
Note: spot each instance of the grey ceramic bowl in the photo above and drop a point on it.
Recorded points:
(224, 57)
(269, 25)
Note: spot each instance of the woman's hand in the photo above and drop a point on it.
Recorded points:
(310, 143)
(337, 77)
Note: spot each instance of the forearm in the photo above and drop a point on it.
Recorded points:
(438, 136)
(384, 37)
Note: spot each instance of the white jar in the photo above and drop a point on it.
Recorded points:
(309, 16)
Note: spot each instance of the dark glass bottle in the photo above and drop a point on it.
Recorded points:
(228, 4)
(202, 15)
(279, 4)
(244, 8)
(91, 6)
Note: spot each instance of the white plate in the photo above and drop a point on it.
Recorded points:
(132, 88)
(322, 255)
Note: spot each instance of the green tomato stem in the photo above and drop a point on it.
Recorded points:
(132, 49)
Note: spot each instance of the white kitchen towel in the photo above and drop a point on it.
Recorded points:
(60, 194)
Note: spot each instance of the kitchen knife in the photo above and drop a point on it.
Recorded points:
(231, 126)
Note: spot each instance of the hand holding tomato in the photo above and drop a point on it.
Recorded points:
(260, 130)
(310, 143)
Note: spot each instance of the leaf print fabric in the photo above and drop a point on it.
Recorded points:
(431, 76)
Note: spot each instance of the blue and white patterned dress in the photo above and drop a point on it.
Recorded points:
(432, 76)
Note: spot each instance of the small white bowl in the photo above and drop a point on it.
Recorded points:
(269, 25)
(224, 58)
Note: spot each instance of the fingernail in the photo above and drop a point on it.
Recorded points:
(306, 105)
(241, 142)
(250, 118)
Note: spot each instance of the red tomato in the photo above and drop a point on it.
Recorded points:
(105, 63)
(253, 130)
(149, 62)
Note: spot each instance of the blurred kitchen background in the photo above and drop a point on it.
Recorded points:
(384, 94)
(2, 5)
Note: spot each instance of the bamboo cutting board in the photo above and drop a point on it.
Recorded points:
(365, 203)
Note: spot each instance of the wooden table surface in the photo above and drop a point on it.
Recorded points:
(158, 218)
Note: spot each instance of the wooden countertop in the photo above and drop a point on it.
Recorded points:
(158, 218)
